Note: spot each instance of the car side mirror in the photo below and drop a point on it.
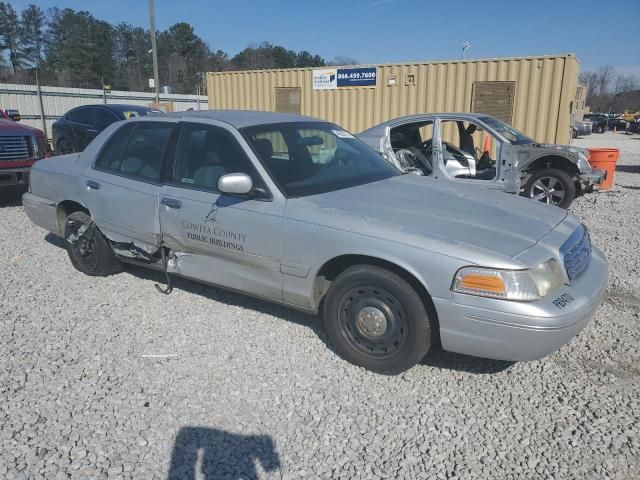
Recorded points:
(235, 184)
(13, 115)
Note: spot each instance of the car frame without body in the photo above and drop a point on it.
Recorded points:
(300, 212)
(553, 174)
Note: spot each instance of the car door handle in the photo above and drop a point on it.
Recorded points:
(93, 184)
(171, 203)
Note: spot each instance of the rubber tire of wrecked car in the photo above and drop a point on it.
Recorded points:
(562, 177)
(101, 262)
(399, 296)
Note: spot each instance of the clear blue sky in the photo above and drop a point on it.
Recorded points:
(376, 31)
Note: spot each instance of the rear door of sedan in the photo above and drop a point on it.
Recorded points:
(121, 188)
(232, 241)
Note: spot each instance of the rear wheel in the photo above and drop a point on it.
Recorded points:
(64, 146)
(377, 320)
(88, 250)
(551, 186)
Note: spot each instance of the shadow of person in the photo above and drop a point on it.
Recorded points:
(201, 453)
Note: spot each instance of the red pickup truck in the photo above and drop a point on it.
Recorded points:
(20, 147)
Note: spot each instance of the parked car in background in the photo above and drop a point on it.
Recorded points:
(300, 212)
(476, 149)
(599, 121)
(20, 147)
(75, 129)
(581, 128)
(618, 123)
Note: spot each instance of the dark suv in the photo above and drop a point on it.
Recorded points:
(598, 120)
(75, 129)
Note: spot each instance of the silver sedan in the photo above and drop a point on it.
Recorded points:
(298, 211)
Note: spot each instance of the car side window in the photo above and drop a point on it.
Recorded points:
(136, 150)
(81, 115)
(103, 118)
(205, 154)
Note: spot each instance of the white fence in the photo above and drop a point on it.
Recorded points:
(56, 101)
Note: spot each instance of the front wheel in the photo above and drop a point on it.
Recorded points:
(377, 320)
(551, 186)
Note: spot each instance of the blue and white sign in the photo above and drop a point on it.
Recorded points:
(357, 77)
(333, 78)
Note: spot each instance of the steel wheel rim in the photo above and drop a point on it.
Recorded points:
(373, 322)
(84, 248)
(548, 190)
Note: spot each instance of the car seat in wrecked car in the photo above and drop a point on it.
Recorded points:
(466, 138)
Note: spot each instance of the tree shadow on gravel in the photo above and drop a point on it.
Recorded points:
(208, 453)
(628, 168)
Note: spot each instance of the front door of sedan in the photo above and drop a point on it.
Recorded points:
(121, 188)
(232, 241)
(467, 152)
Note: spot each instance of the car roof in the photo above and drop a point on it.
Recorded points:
(420, 116)
(243, 118)
(116, 107)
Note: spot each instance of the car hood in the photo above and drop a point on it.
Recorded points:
(459, 214)
(8, 126)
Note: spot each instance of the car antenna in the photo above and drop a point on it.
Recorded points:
(169, 288)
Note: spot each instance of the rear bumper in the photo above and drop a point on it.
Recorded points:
(41, 212)
(10, 177)
(505, 335)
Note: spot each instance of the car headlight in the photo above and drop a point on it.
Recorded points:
(519, 285)
(583, 162)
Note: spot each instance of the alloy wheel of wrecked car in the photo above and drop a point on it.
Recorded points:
(376, 320)
(88, 250)
(64, 146)
(551, 186)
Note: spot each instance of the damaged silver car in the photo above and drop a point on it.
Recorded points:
(300, 212)
(482, 150)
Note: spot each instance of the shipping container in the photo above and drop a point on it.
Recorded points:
(534, 94)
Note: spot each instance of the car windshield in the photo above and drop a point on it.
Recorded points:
(514, 136)
(308, 158)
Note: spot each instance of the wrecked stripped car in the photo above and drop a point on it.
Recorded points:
(482, 150)
(300, 212)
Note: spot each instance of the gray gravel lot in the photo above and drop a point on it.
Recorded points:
(106, 378)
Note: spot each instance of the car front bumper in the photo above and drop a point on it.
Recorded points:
(11, 177)
(591, 178)
(516, 331)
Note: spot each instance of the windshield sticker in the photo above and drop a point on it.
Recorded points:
(342, 134)
(128, 115)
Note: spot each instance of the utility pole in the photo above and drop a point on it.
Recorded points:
(465, 46)
(154, 50)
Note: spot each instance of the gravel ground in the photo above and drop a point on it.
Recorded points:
(106, 378)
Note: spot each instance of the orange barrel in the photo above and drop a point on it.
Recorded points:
(605, 159)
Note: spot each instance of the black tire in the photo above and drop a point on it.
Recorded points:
(376, 320)
(574, 133)
(551, 186)
(64, 146)
(89, 251)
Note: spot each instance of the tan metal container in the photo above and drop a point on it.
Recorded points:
(534, 94)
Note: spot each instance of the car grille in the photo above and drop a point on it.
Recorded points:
(576, 253)
(15, 148)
